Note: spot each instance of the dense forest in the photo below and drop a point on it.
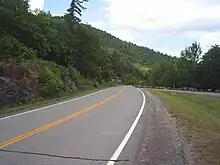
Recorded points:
(136, 54)
(193, 70)
(42, 56)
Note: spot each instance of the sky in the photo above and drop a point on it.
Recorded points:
(165, 25)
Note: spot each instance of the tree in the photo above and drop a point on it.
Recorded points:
(192, 53)
(75, 10)
(210, 68)
(185, 70)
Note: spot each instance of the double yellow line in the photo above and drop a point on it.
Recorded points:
(55, 123)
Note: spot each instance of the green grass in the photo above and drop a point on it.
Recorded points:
(5, 111)
(201, 115)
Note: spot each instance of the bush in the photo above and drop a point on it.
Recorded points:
(74, 74)
(84, 83)
(96, 84)
(51, 82)
(10, 47)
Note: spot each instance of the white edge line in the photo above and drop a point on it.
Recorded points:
(53, 105)
(129, 133)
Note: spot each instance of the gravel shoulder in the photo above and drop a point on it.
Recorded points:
(161, 143)
(198, 120)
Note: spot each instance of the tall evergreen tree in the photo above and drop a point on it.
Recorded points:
(75, 10)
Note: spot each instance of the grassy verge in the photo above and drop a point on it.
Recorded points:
(45, 102)
(200, 117)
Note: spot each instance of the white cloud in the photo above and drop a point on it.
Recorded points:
(206, 39)
(192, 20)
(209, 39)
(98, 24)
(36, 4)
(148, 14)
(125, 34)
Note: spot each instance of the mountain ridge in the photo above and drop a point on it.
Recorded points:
(144, 53)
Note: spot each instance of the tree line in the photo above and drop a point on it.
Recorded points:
(192, 70)
(45, 56)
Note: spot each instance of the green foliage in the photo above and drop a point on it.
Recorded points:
(84, 57)
(136, 54)
(51, 82)
(10, 47)
(188, 71)
(209, 69)
(74, 74)
(192, 53)
(62, 55)
(84, 83)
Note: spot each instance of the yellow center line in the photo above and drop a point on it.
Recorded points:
(55, 123)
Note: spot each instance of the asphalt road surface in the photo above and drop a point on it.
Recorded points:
(119, 125)
(97, 127)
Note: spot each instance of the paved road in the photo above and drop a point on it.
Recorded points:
(97, 126)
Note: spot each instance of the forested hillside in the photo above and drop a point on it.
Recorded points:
(132, 51)
(44, 56)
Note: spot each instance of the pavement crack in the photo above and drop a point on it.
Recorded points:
(63, 157)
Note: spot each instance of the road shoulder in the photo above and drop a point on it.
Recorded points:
(161, 142)
(198, 118)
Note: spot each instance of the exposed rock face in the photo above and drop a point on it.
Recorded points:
(69, 85)
(12, 91)
(21, 82)
(17, 84)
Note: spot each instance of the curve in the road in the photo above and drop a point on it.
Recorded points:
(55, 123)
(130, 131)
(104, 130)
(49, 106)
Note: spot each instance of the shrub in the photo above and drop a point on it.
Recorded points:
(10, 47)
(95, 84)
(51, 82)
(74, 74)
(84, 83)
